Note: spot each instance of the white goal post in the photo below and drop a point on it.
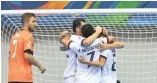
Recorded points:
(76, 11)
(137, 28)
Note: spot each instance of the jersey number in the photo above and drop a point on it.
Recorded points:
(114, 61)
(15, 44)
(92, 56)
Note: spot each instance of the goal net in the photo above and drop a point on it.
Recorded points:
(137, 28)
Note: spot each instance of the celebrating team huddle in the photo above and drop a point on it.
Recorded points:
(91, 54)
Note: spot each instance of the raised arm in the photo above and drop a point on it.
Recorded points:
(91, 38)
(65, 38)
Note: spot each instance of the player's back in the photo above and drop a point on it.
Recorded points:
(72, 56)
(86, 73)
(19, 67)
(109, 70)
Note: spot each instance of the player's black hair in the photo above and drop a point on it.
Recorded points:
(76, 23)
(87, 30)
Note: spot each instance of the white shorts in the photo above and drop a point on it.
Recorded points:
(87, 81)
(107, 79)
(70, 79)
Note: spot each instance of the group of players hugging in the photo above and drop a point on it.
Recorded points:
(91, 54)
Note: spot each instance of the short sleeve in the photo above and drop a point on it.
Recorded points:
(77, 39)
(104, 53)
(29, 43)
(73, 46)
(104, 40)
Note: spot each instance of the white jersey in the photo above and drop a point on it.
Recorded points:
(71, 61)
(109, 73)
(86, 73)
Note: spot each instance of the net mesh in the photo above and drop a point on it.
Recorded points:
(136, 62)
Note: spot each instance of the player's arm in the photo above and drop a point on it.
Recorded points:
(93, 37)
(65, 38)
(99, 63)
(28, 54)
(112, 43)
(62, 47)
(64, 41)
(115, 44)
(68, 44)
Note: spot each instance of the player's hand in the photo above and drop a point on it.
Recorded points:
(82, 59)
(63, 34)
(42, 69)
(99, 29)
(103, 47)
(105, 32)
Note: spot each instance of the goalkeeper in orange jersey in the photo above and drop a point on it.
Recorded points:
(21, 52)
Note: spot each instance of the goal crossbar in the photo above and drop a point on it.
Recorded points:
(77, 11)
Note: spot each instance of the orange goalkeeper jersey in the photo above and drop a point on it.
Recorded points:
(19, 68)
